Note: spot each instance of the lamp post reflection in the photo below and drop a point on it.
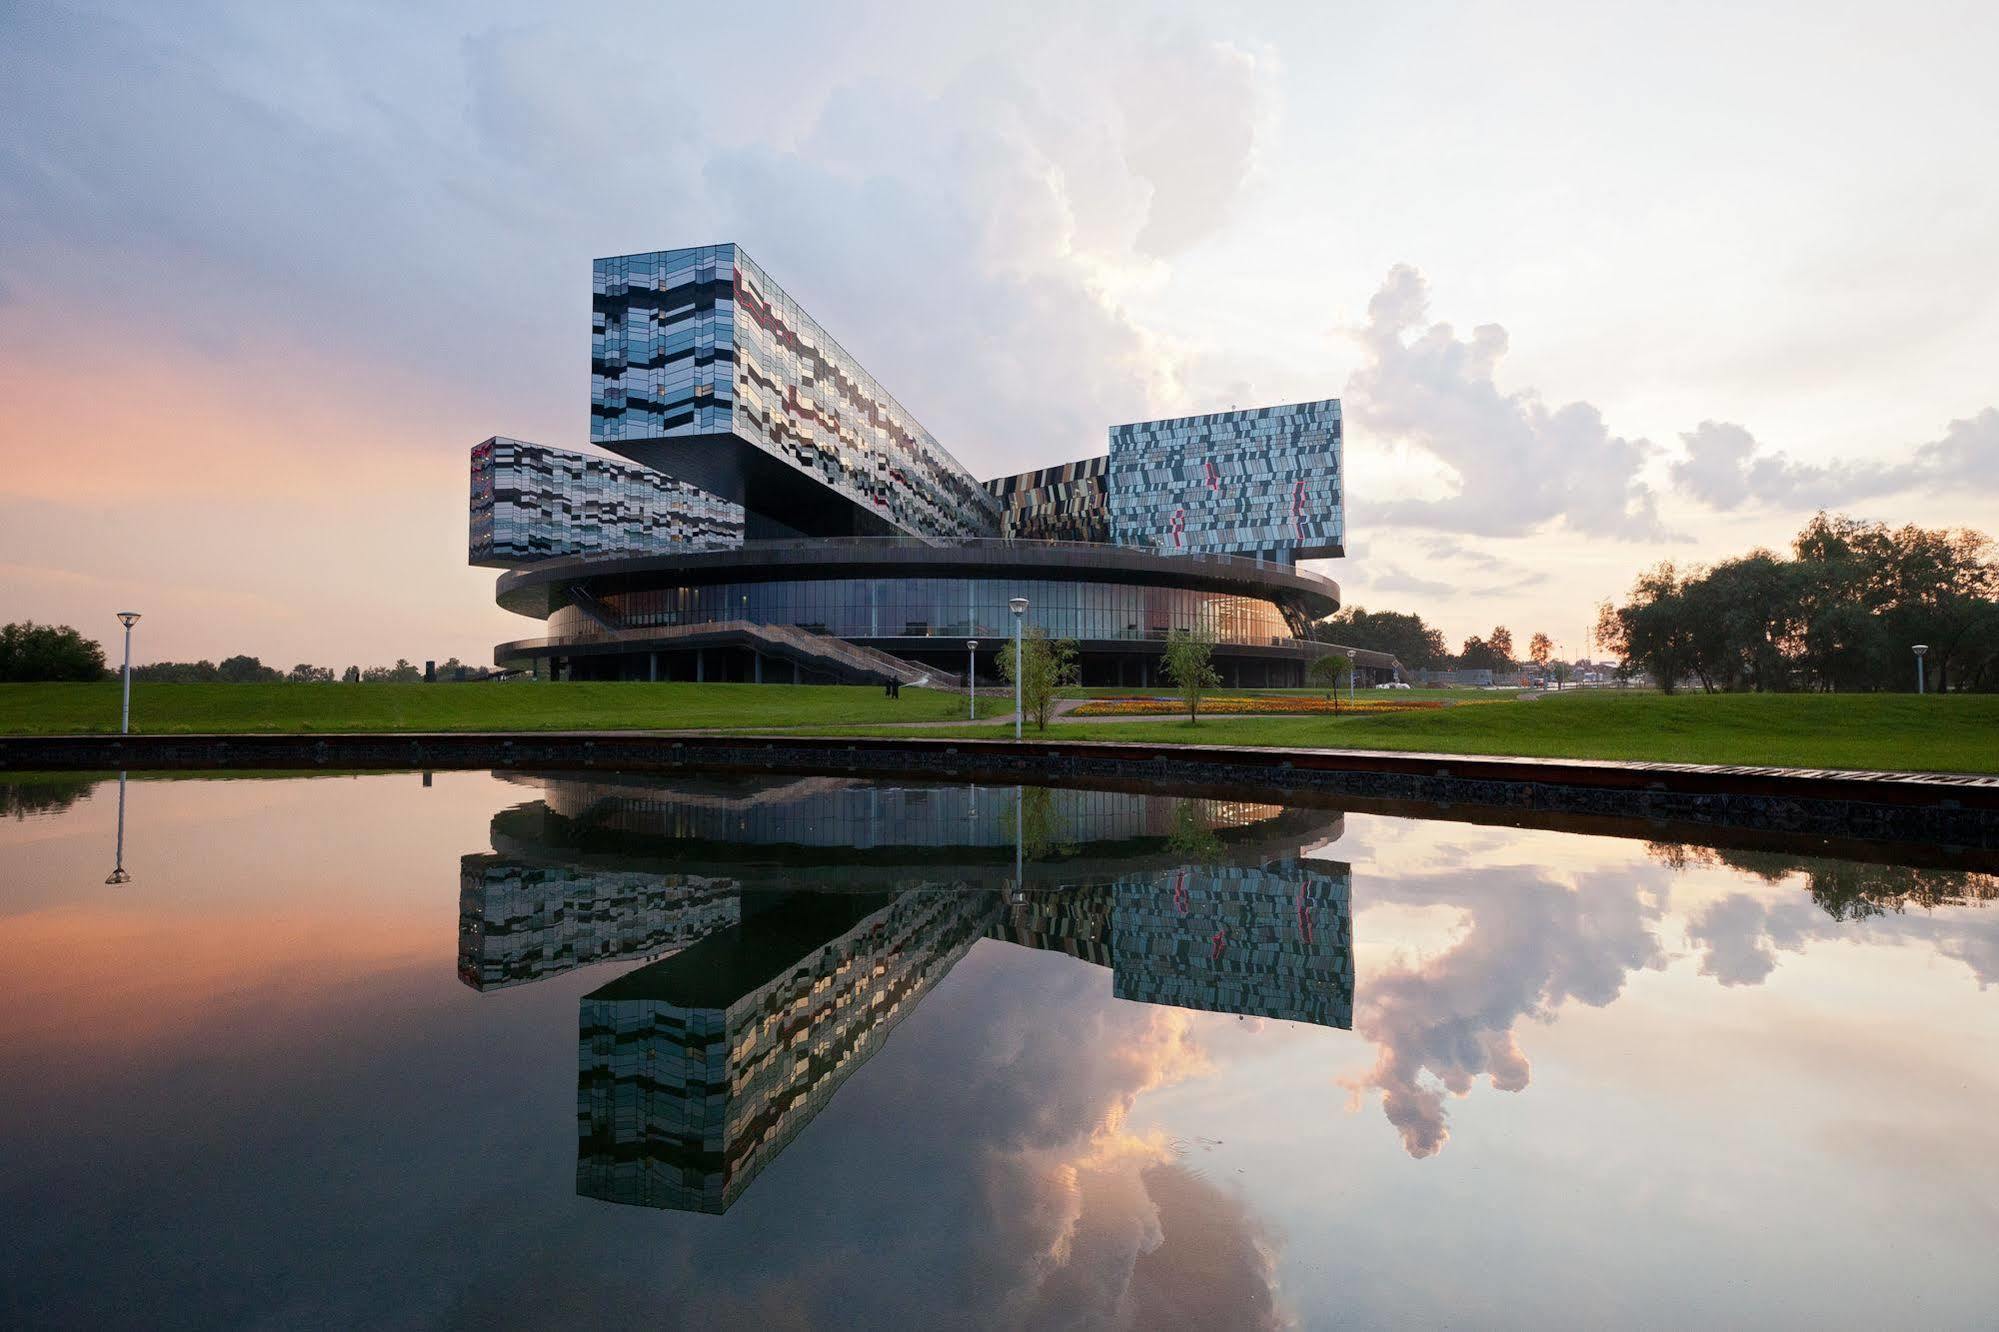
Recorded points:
(118, 874)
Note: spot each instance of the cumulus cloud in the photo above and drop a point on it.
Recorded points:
(1968, 453)
(1531, 943)
(1193, 152)
(1726, 468)
(1739, 936)
(1520, 465)
(1442, 1023)
(1082, 1209)
(967, 231)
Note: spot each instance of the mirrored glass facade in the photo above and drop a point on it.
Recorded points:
(684, 1095)
(701, 342)
(1266, 481)
(1065, 503)
(519, 921)
(952, 608)
(532, 503)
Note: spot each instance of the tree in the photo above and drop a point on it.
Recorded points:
(245, 670)
(30, 651)
(1189, 664)
(178, 672)
(1040, 824)
(400, 673)
(1539, 649)
(306, 673)
(1045, 666)
(352, 675)
(1193, 836)
(1839, 614)
(1328, 672)
(1481, 655)
(1405, 637)
(1651, 631)
(1501, 642)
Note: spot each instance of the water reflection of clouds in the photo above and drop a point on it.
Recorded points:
(1081, 1220)
(1531, 943)
(1466, 933)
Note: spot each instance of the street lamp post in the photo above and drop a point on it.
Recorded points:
(1919, 649)
(128, 619)
(972, 674)
(1018, 605)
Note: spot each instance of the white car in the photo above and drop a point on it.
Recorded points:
(1392, 684)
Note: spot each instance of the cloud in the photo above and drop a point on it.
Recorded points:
(1739, 936)
(1390, 578)
(1966, 456)
(1726, 468)
(1193, 152)
(1520, 465)
(1532, 944)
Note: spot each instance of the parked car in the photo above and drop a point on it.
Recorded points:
(1393, 684)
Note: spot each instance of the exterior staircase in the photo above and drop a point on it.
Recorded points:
(822, 654)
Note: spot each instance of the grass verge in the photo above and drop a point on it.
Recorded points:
(63, 709)
(1884, 732)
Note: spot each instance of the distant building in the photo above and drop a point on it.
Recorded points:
(1479, 678)
(780, 515)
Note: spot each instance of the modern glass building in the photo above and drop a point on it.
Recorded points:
(531, 503)
(704, 368)
(1262, 482)
(776, 514)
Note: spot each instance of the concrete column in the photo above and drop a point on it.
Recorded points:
(700, 664)
(794, 671)
(652, 667)
(758, 658)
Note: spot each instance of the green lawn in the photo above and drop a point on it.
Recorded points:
(1949, 733)
(1166, 691)
(56, 709)
(1890, 732)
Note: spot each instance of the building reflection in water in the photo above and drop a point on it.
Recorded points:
(802, 919)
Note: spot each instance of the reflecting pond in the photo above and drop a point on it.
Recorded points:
(513, 1049)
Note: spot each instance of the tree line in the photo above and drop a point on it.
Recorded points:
(1842, 612)
(1419, 647)
(31, 652)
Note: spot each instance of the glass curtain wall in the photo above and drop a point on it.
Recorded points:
(960, 608)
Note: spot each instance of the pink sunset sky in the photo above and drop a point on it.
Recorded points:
(1598, 286)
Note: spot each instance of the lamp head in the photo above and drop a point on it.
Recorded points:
(1017, 605)
(128, 618)
(971, 645)
(1920, 648)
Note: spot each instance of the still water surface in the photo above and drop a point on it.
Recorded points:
(510, 1050)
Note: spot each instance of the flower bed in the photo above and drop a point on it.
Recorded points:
(1227, 705)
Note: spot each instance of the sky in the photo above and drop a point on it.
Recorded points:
(1598, 286)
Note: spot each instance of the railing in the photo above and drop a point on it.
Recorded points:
(779, 639)
(866, 543)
